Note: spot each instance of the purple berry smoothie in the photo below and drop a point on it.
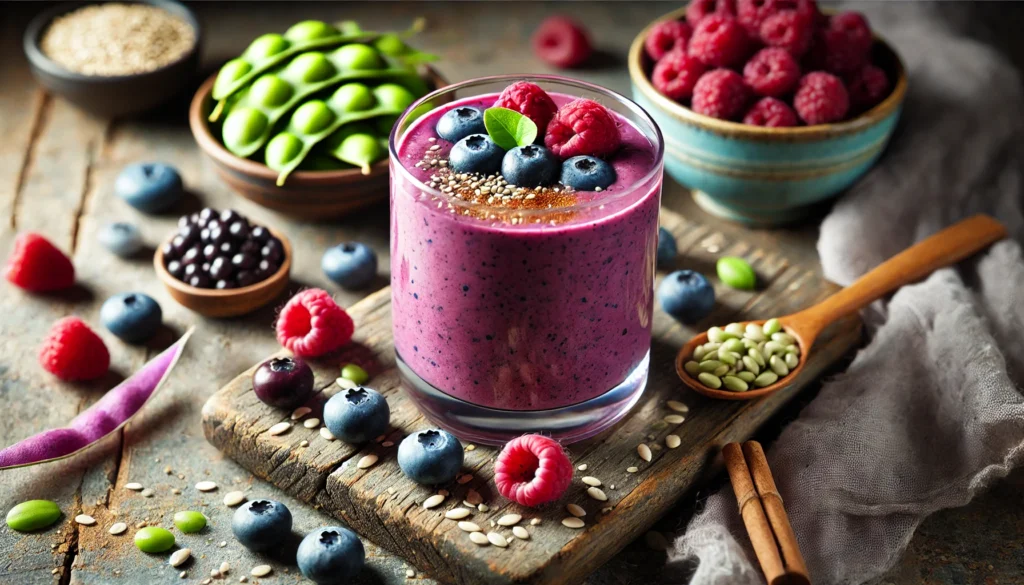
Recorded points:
(545, 312)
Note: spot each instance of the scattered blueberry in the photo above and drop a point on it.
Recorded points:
(149, 187)
(459, 123)
(587, 173)
(331, 555)
(476, 153)
(530, 166)
(122, 239)
(350, 265)
(357, 415)
(667, 250)
(133, 317)
(430, 457)
(261, 524)
(686, 295)
(284, 382)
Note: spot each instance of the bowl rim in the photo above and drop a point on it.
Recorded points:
(40, 22)
(211, 293)
(736, 129)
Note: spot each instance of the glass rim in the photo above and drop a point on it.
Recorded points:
(635, 108)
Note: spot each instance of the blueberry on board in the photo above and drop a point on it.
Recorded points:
(530, 166)
(350, 265)
(284, 382)
(133, 317)
(149, 187)
(331, 555)
(430, 457)
(587, 173)
(667, 249)
(357, 415)
(459, 123)
(476, 153)
(686, 295)
(122, 239)
(261, 524)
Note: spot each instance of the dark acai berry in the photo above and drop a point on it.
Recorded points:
(133, 317)
(530, 166)
(123, 239)
(331, 555)
(459, 123)
(357, 415)
(351, 265)
(687, 296)
(587, 173)
(261, 524)
(667, 249)
(476, 153)
(430, 457)
(149, 187)
(283, 382)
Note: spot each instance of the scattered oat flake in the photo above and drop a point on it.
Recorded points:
(301, 412)
(367, 461)
(672, 441)
(326, 433)
(521, 533)
(279, 429)
(261, 570)
(497, 539)
(678, 406)
(632, 469)
(118, 528)
(135, 487)
(644, 451)
(179, 557)
(575, 510)
(535, 522)
(479, 538)
(582, 467)
(234, 498)
(597, 494)
(206, 486)
(674, 419)
(469, 526)
(433, 501)
(509, 520)
(573, 522)
(311, 423)
(590, 480)
(457, 513)
(85, 520)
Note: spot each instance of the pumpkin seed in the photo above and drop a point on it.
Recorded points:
(206, 486)
(674, 419)
(597, 493)
(234, 498)
(509, 520)
(784, 338)
(721, 371)
(179, 557)
(33, 515)
(632, 469)
(754, 333)
(672, 441)
(326, 433)
(692, 368)
(582, 467)
(279, 429)
(678, 406)
(710, 380)
(757, 357)
(135, 487)
(483, 507)
(366, 461)
(573, 522)
(479, 538)
(301, 412)
(497, 539)
(750, 364)
(710, 365)
(535, 522)
(147, 493)
(469, 526)
(521, 533)
(747, 377)
(735, 384)
(793, 348)
(644, 451)
(118, 528)
(433, 501)
(735, 329)
(749, 343)
(698, 352)
(766, 379)
(715, 335)
(733, 345)
(575, 510)
(727, 357)
(791, 360)
(778, 365)
(773, 347)
(457, 513)
(771, 327)
(85, 520)
(591, 480)
(261, 570)
(311, 423)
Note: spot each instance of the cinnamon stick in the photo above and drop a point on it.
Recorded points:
(758, 528)
(796, 569)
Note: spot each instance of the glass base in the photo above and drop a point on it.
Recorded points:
(493, 426)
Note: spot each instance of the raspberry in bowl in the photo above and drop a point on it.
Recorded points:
(524, 238)
(769, 107)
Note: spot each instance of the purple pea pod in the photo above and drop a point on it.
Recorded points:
(110, 413)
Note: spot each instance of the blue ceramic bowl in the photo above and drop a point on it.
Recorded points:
(766, 176)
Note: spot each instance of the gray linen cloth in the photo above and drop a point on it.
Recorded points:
(930, 412)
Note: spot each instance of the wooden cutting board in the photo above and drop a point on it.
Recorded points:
(383, 506)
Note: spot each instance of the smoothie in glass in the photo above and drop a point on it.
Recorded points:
(519, 309)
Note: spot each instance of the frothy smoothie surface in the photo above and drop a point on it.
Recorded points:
(546, 311)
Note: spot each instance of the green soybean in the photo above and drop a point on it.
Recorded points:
(243, 127)
(264, 47)
(736, 273)
(355, 373)
(282, 150)
(188, 521)
(359, 56)
(312, 117)
(309, 30)
(33, 515)
(361, 150)
(154, 539)
(710, 380)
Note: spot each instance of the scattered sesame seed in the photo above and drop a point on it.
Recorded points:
(326, 433)
(479, 538)
(279, 429)
(135, 487)
(85, 520)
(674, 419)
(644, 451)
(366, 461)
(206, 486)
(311, 423)
(457, 513)
(301, 412)
(575, 510)
(509, 520)
(146, 493)
(118, 528)
(632, 469)
(573, 522)
(672, 441)
(678, 406)
(590, 480)
(433, 501)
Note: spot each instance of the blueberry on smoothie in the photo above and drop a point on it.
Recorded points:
(331, 555)
(530, 166)
(587, 173)
(667, 249)
(149, 187)
(686, 295)
(476, 153)
(133, 317)
(122, 239)
(357, 415)
(430, 457)
(261, 524)
(350, 265)
(459, 123)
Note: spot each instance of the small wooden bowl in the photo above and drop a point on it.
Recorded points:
(231, 302)
(307, 195)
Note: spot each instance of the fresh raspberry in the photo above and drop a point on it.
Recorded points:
(676, 74)
(532, 470)
(772, 72)
(696, 10)
(312, 324)
(719, 41)
(37, 265)
(582, 127)
(772, 112)
(789, 30)
(562, 42)
(73, 352)
(843, 46)
(821, 98)
(721, 94)
(867, 87)
(529, 100)
(751, 13)
(667, 36)
(855, 27)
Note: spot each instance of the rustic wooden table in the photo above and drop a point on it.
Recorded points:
(57, 166)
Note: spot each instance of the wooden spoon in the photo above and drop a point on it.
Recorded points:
(944, 248)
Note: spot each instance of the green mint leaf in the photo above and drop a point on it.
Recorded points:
(508, 128)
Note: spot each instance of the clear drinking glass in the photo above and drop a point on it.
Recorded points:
(509, 321)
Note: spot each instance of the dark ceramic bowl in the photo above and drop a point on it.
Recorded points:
(113, 96)
(308, 195)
